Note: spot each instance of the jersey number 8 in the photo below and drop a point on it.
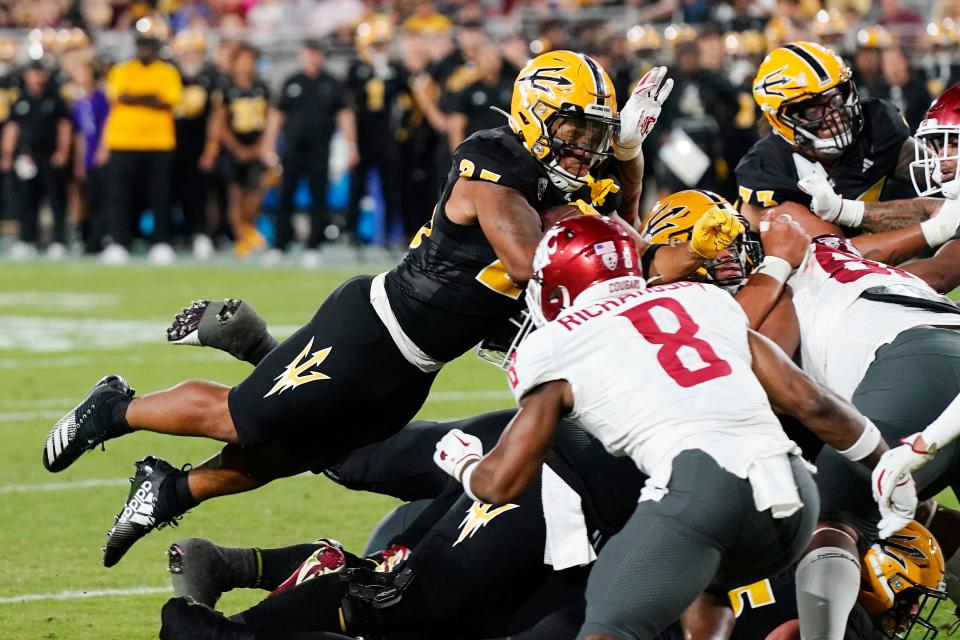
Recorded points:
(687, 359)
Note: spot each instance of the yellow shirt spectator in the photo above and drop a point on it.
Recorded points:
(141, 128)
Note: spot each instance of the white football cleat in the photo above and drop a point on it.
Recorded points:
(161, 254)
(114, 254)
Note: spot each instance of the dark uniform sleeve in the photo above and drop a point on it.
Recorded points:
(888, 131)
(767, 176)
(482, 156)
(19, 111)
(284, 101)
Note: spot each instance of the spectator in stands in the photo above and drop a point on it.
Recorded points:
(375, 83)
(904, 88)
(313, 105)
(201, 93)
(867, 63)
(493, 88)
(246, 124)
(140, 139)
(89, 115)
(36, 145)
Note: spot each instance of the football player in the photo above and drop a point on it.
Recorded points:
(820, 125)
(883, 339)
(726, 495)
(362, 367)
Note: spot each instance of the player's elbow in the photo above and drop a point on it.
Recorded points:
(498, 490)
(519, 272)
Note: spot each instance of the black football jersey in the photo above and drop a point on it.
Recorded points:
(767, 174)
(375, 100)
(200, 93)
(247, 109)
(450, 290)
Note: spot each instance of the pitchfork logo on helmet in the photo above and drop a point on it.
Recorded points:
(902, 582)
(671, 221)
(578, 260)
(564, 110)
(937, 148)
(806, 93)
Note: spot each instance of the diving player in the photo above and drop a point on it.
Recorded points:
(363, 366)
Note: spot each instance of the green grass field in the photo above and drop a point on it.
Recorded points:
(64, 326)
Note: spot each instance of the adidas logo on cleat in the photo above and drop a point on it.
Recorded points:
(139, 509)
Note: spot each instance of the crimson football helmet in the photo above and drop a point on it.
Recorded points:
(578, 259)
(937, 148)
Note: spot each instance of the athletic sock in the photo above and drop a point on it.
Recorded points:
(204, 571)
(117, 420)
(828, 581)
(174, 497)
(312, 606)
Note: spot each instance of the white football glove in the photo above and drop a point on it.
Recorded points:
(455, 451)
(827, 203)
(640, 114)
(893, 486)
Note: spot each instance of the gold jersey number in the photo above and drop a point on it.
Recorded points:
(248, 114)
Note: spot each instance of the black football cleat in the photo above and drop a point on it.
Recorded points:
(184, 619)
(140, 515)
(200, 570)
(86, 426)
(233, 326)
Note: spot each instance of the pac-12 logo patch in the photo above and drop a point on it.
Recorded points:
(299, 372)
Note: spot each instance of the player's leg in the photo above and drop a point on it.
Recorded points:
(705, 532)
(230, 325)
(907, 386)
(292, 172)
(318, 163)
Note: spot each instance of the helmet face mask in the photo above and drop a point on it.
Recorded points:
(579, 143)
(827, 123)
(936, 156)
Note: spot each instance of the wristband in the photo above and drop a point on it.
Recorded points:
(465, 480)
(942, 226)
(625, 154)
(945, 429)
(850, 213)
(865, 444)
(777, 268)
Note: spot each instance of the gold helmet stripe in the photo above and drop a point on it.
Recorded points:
(597, 79)
(811, 61)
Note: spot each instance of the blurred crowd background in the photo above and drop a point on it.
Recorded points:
(269, 128)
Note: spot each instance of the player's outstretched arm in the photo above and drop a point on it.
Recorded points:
(232, 325)
(503, 474)
(833, 419)
(711, 234)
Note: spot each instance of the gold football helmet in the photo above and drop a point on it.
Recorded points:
(671, 222)
(900, 577)
(643, 37)
(943, 34)
(564, 110)
(375, 32)
(806, 93)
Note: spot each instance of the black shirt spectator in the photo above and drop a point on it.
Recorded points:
(38, 116)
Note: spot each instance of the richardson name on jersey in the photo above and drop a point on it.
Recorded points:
(576, 318)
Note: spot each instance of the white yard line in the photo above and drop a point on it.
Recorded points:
(91, 483)
(80, 594)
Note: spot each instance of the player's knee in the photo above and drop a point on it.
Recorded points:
(834, 534)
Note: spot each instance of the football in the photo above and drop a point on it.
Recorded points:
(554, 215)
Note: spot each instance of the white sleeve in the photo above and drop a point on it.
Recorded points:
(945, 428)
(532, 364)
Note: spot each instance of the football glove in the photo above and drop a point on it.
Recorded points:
(893, 486)
(455, 451)
(827, 203)
(715, 231)
(640, 114)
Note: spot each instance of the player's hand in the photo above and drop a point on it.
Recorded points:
(784, 238)
(456, 450)
(825, 202)
(101, 156)
(714, 232)
(893, 486)
(640, 114)
(206, 162)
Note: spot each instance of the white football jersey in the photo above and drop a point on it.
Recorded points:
(840, 331)
(659, 371)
